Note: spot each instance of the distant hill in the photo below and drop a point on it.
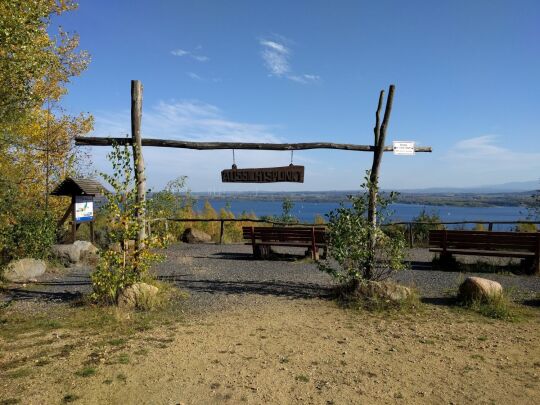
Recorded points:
(513, 187)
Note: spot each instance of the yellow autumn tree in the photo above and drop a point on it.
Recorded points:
(36, 135)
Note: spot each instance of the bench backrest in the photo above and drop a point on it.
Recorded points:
(484, 240)
(285, 234)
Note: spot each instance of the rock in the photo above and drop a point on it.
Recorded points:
(89, 253)
(477, 288)
(138, 295)
(384, 290)
(67, 253)
(24, 270)
(75, 252)
(192, 235)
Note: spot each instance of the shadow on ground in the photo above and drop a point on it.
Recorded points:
(277, 288)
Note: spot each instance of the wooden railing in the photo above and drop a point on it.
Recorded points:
(409, 224)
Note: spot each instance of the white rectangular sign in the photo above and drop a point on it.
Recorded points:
(403, 147)
(84, 209)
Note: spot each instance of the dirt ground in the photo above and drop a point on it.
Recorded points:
(265, 331)
(282, 350)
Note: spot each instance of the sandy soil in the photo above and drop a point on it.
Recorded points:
(282, 351)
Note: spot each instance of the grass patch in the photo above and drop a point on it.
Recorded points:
(10, 401)
(88, 319)
(477, 357)
(497, 307)
(117, 342)
(141, 352)
(86, 372)
(121, 377)
(123, 358)
(302, 378)
(20, 373)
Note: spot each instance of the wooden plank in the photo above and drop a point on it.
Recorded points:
(497, 253)
(290, 174)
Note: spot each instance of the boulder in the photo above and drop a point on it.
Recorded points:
(192, 235)
(138, 295)
(70, 252)
(477, 288)
(75, 252)
(88, 252)
(386, 291)
(24, 270)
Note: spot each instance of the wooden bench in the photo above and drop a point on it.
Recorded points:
(262, 238)
(524, 245)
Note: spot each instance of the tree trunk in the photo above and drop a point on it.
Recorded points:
(380, 136)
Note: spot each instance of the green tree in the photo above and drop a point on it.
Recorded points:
(123, 263)
(423, 223)
(286, 211)
(350, 260)
(36, 135)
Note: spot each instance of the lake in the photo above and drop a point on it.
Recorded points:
(306, 211)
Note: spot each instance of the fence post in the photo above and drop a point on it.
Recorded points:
(490, 226)
(409, 225)
(221, 232)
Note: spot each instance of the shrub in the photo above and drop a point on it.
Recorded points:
(526, 228)
(350, 259)
(319, 220)
(122, 264)
(479, 227)
(422, 224)
(29, 236)
(174, 201)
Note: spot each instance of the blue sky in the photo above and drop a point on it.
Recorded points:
(466, 76)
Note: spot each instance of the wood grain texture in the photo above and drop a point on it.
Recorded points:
(169, 143)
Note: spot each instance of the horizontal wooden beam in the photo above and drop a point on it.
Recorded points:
(169, 143)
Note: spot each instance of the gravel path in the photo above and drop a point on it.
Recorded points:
(216, 276)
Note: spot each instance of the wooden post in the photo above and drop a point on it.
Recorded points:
(490, 226)
(380, 135)
(73, 221)
(410, 226)
(92, 236)
(138, 161)
(221, 232)
(314, 252)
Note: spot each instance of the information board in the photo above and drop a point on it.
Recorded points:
(84, 208)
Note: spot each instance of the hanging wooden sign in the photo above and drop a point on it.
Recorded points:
(290, 174)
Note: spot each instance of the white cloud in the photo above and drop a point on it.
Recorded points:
(190, 121)
(179, 52)
(194, 76)
(482, 160)
(304, 78)
(200, 58)
(182, 52)
(276, 56)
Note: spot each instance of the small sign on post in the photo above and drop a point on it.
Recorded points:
(403, 147)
